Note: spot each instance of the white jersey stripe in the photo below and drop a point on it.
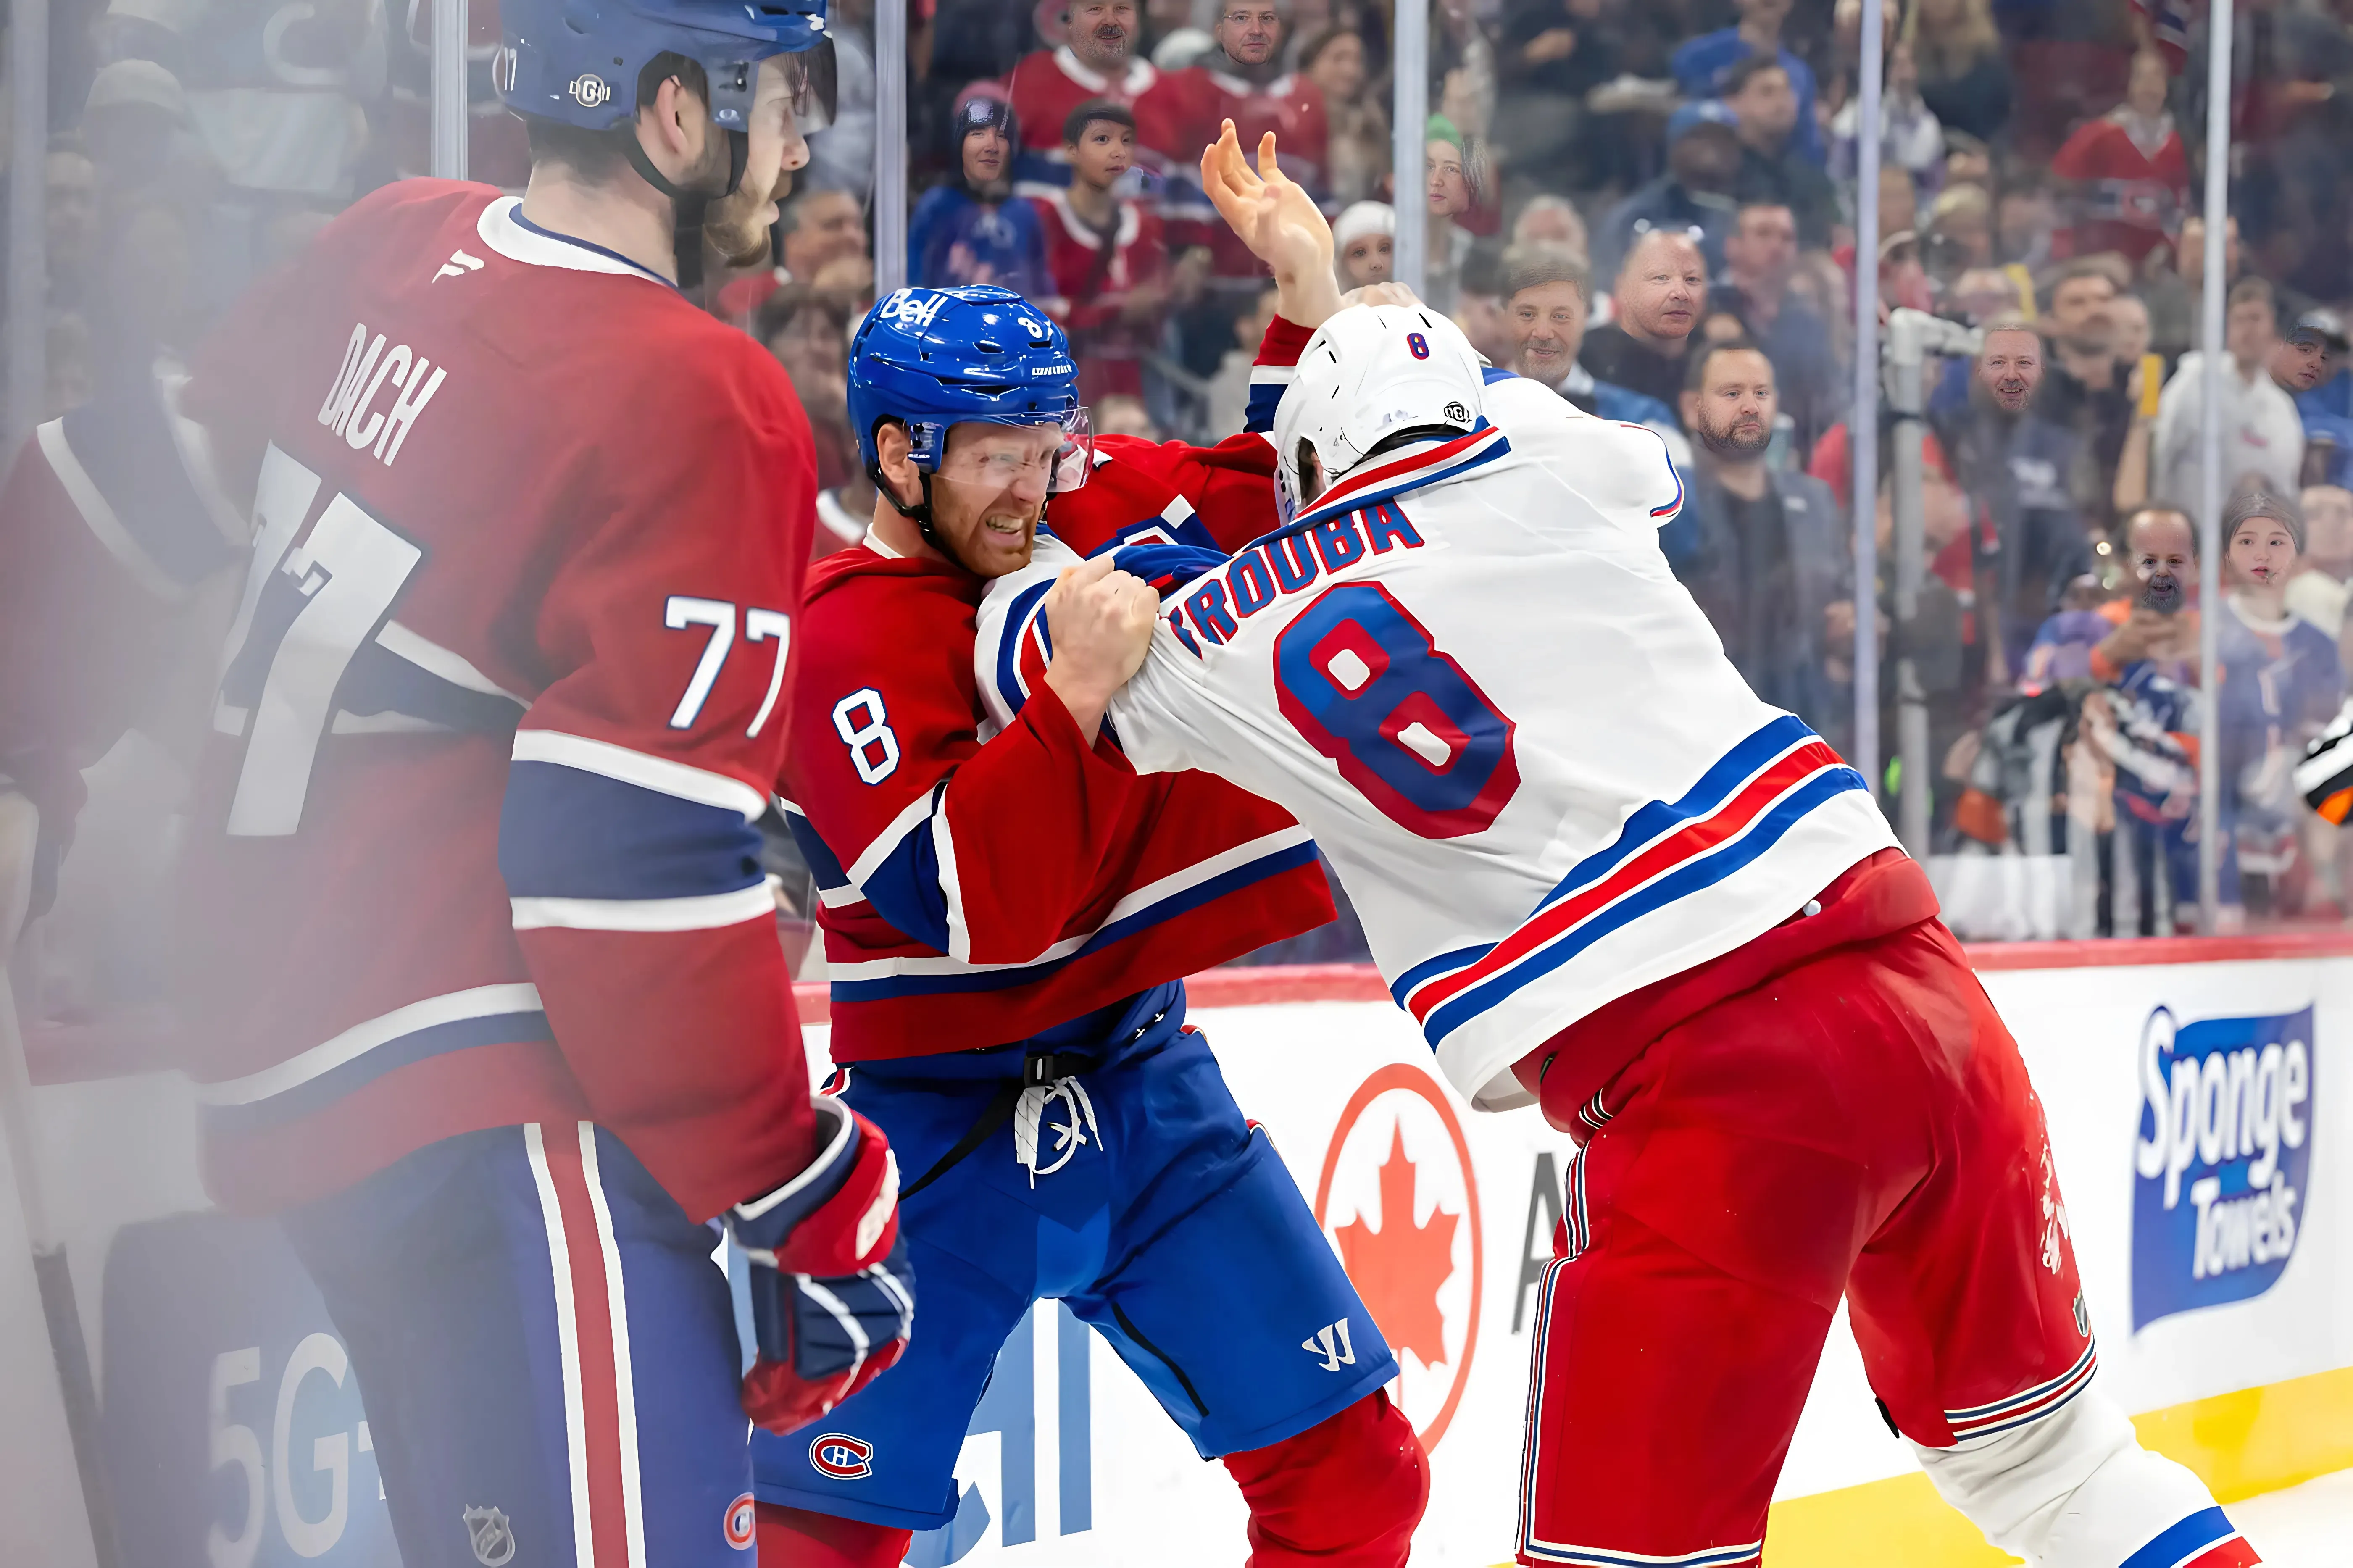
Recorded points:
(640, 768)
(625, 1393)
(99, 517)
(1137, 902)
(705, 911)
(567, 1335)
(457, 1006)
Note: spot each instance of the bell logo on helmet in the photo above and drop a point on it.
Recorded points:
(916, 306)
(590, 90)
(502, 69)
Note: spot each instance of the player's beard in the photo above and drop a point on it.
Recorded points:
(731, 225)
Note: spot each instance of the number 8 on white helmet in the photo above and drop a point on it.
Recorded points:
(1373, 377)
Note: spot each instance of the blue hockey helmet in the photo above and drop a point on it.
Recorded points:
(931, 358)
(578, 61)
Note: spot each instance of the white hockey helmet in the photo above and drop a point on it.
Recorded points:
(1369, 373)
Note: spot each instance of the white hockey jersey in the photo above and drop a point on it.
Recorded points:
(1469, 672)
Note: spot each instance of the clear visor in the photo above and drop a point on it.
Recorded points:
(1040, 460)
(811, 78)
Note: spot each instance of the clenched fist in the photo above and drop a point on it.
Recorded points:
(1101, 620)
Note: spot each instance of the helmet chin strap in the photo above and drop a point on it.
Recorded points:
(920, 513)
(687, 204)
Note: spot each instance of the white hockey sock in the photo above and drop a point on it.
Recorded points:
(2072, 1490)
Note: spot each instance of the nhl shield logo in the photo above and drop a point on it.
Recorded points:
(590, 90)
(493, 1538)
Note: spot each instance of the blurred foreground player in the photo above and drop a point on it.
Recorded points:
(482, 988)
(1604, 876)
(1009, 914)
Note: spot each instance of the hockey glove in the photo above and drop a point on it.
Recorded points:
(833, 1297)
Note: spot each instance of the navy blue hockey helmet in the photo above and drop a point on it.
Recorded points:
(578, 61)
(929, 358)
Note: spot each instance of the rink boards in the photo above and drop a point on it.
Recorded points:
(2200, 1125)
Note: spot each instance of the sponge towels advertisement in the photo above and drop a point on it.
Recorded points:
(2227, 1128)
(2197, 1123)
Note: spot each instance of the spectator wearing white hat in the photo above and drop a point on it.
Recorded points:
(1364, 245)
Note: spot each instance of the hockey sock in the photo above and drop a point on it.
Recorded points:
(797, 1537)
(1345, 1493)
(2077, 1490)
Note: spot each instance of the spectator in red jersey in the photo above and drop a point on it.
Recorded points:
(1107, 256)
(1096, 59)
(1259, 94)
(1243, 81)
(2128, 173)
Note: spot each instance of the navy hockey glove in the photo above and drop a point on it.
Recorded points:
(833, 1297)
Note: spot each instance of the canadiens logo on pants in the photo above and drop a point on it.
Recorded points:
(842, 1457)
(742, 1524)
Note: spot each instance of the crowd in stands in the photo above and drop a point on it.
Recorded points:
(1649, 205)
(1652, 209)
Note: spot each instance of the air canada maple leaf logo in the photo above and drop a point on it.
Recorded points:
(1401, 1203)
(1399, 1267)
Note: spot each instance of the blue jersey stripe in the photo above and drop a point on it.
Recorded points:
(1403, 484)
(1008, 645)
(904, 888)
(1265, 397)
(381, 681)
(2183, 1537)
(818, 855)
(1432, 968)
(566, 833)
(1118, 931)
(1658, 818)
(1681, 882)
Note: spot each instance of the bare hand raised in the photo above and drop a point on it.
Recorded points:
(1101, 621)
(1278, 220)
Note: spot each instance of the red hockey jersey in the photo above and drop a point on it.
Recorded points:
(1047, 85)
(1193, 103)
(2132, 191)
(1094, 272)
(473, 841)
(979, 886)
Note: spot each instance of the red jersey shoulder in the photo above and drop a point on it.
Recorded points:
(860, 608)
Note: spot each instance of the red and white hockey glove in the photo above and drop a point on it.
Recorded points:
(833, 1297)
